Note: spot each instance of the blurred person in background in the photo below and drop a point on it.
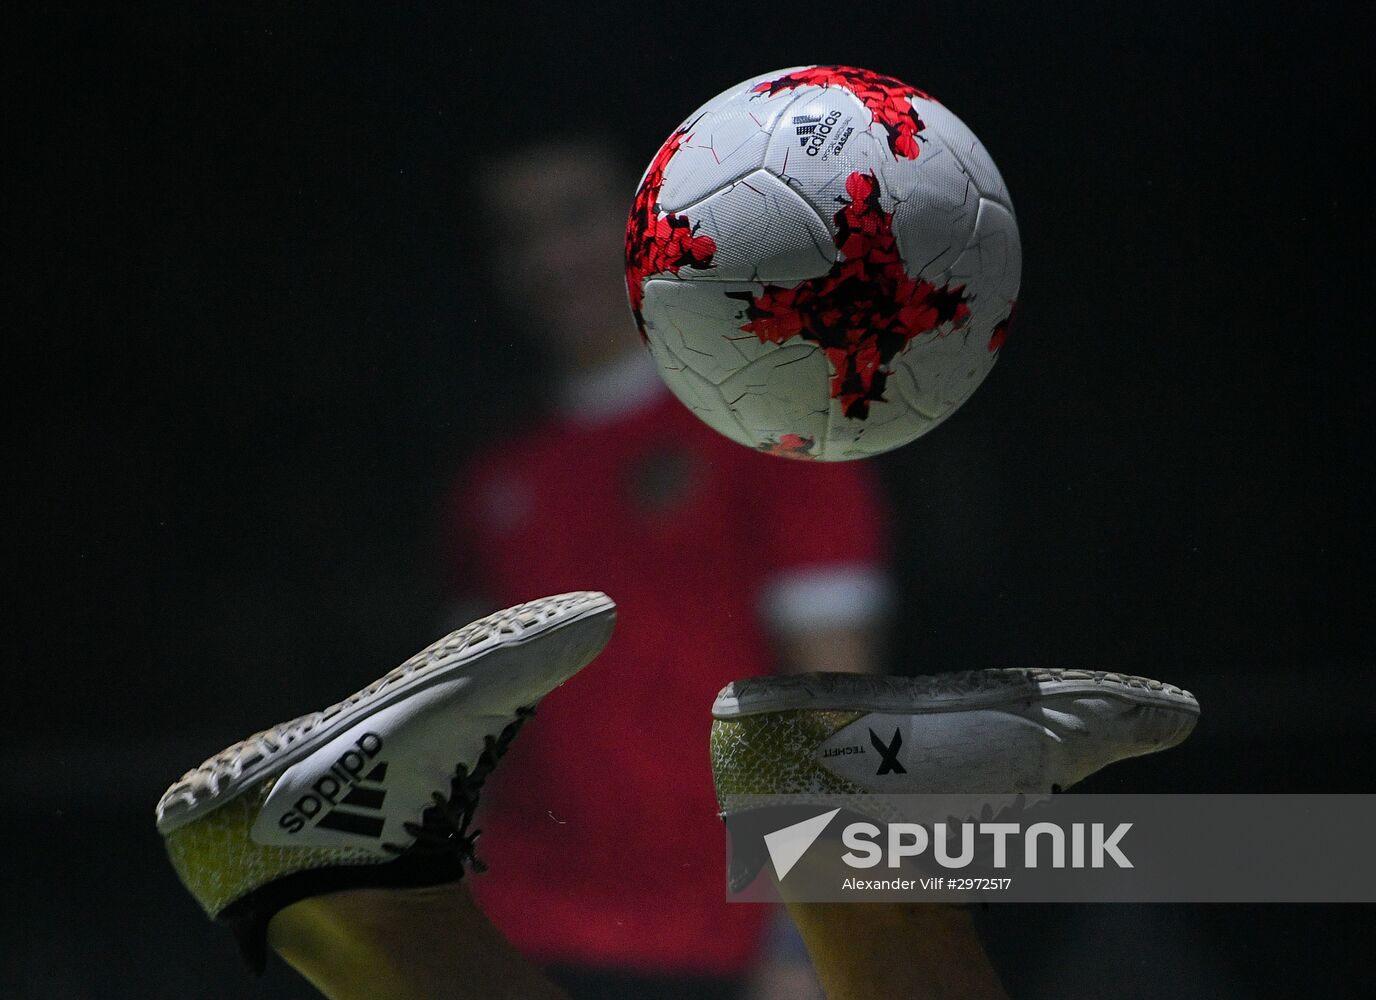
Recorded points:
(604, 848)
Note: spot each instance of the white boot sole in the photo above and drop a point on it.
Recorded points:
(953, 692)
(582, 621)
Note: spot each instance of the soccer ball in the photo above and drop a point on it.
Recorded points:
(823, 262)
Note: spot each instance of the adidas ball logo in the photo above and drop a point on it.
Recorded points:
(812, 130)
(806, 125)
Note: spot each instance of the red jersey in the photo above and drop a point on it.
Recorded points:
(601, 830)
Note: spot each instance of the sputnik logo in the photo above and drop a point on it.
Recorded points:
(787, 846)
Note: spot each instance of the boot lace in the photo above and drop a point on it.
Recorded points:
(443, 830)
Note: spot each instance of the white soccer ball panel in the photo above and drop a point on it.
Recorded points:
(700, 321)
(780, 395)
(990, 267)
(974, 159)
(763, 232)
(700, 396)
(934, 212)
(725, 139)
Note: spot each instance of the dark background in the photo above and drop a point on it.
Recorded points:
(253, 342)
